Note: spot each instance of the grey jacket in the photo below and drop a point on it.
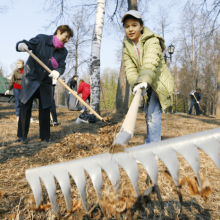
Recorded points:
(16, 78)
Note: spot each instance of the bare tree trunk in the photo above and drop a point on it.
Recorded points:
(95, 56)
(132, 5)
(122, 97)
(218, 90)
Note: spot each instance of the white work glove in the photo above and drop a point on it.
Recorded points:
(54, 74)
(22, 47)
(7, 92)
(54, 82)
(142, 85)
(197, 102)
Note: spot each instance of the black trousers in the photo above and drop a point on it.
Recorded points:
(196, 107)
(25, 115)
(53, 106)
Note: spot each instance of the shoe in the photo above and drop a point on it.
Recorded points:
(32, 120)
(56, 123)
(23, 141)
(47, 140)
(17, 118)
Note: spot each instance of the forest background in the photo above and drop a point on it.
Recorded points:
(192, 26)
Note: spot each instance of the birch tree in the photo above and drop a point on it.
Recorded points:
(95, 56)
(122, 96)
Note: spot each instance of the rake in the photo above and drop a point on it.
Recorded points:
(166, 150)
(69, 89)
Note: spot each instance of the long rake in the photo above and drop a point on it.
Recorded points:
(166, 150)
(69, 89)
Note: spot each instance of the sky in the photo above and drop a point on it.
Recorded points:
(25, 19)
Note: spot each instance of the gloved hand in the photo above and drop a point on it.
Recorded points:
(22, 47)
(55, 74)
(197, 102)
(7, 92)
(142, 85)
(54, 82)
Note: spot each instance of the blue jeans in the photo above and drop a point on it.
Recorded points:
(153, 119)
(17, 101)
(84, 107)
(193, 103)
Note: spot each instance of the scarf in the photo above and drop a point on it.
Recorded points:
(57, 43)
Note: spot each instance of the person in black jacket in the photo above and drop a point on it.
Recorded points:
(197, 94)
(36, 81)
(73, 82)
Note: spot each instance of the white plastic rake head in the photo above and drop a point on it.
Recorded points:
(166, 150)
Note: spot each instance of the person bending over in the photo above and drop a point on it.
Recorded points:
(146, 69)
(84, 88)
(36, 81)
(195, 102)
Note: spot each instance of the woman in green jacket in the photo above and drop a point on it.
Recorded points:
(146, 69)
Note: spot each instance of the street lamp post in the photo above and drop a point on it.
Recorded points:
(170, 51)
(176, 93)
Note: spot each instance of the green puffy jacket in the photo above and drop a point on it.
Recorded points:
(153, 69)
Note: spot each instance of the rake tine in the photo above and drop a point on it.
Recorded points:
(112, 170)
(150, 164)
(212, 149)
(191, 155)
(95, 174)
(128, 163)
(62, 177)
(34, 181)
(172, 165)
(157, 190)
(180, 199)
(50, 185)
(78, 175)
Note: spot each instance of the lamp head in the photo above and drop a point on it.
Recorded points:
(171, 49)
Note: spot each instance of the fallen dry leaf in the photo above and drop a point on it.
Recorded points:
(2, 194)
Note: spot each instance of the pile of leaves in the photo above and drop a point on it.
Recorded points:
(16, 199)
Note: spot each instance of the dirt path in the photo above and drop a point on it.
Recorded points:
(71, 141)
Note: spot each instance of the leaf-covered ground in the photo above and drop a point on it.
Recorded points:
(71, 141)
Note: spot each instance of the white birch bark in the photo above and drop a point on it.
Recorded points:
(95, 56)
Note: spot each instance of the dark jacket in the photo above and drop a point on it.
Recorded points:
(16, 78)
(73, 84)
(197, 95)
(34, 75)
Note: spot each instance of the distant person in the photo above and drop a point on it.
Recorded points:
(15, 84)
(53, 105)
(73, 83)
(146, 70)
(37, 82)
(195, 93)
(84, 88)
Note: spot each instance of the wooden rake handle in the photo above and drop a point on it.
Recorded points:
(67, 87)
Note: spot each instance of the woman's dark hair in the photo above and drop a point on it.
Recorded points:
(64, 28)
(132, 17)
